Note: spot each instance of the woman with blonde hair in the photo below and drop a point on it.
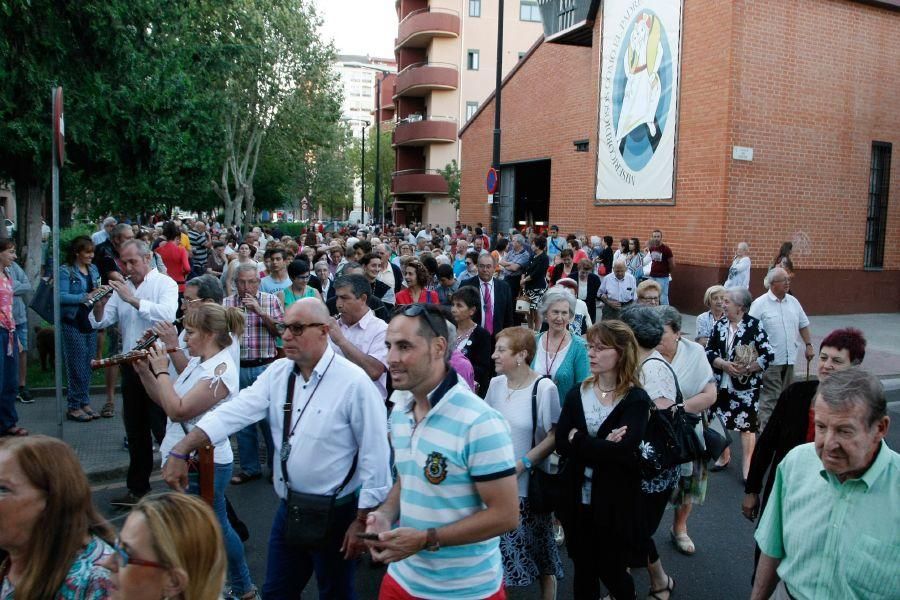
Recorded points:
(714, 300)
(52, 539)
(170, 547)
(601, 426)
(209, 379)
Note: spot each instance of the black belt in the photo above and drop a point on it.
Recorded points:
(256, 362)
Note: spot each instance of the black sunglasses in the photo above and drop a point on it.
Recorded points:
(426, 310)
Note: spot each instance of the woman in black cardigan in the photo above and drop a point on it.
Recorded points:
(601, 425)
(472, 340)
(588, 286)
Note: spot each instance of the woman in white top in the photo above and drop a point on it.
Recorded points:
(739, 272)
(209, 379)
(529, 551)
(698, 386)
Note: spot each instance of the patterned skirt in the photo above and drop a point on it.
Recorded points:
(738, 408)
(692, 483)
(529, 551)
(534, 297)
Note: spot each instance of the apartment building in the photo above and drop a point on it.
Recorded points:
(446, 54)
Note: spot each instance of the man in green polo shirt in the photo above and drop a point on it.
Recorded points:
(832, 525)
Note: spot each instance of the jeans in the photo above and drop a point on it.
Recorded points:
(238, 571)
(664, 284)
(247, 438)
(142, 417)
(9, 382)
(289, 568)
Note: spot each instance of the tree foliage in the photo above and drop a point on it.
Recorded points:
(387, 161)
(451, 175)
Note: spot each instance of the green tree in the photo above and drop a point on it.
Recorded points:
(387, 162)
(451, 176)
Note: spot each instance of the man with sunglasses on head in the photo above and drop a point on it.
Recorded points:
(456, 490)
(331, 441)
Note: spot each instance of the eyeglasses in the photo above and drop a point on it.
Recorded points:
(654, 299)
(416, 310)
(123, 559)
(189, 301)
(296, 329)
(302, 276)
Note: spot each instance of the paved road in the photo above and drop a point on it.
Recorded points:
(719, 570)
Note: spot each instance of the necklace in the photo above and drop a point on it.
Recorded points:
(511, 390)
(463, 336)
(603, 393)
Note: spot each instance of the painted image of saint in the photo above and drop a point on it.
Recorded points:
(641, 61)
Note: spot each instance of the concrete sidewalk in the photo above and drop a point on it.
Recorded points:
(99, 444)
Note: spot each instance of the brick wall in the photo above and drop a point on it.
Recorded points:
(808, 84)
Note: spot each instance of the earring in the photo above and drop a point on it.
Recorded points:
(518, 362)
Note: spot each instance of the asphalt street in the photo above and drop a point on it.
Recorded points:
(719, 570)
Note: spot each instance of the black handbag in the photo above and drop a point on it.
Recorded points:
(311, 519)
(715, 441)
(42, 300)
(543, 488)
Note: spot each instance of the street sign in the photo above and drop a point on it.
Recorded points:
(493, 181)
(59, 127)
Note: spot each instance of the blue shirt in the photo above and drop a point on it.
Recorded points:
(460, 441)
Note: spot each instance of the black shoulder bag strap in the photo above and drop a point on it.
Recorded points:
(679, 398)
(286, 434)
(534, 415)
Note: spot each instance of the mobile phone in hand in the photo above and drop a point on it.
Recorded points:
(368, 536)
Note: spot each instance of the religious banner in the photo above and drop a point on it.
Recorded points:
(640, 56)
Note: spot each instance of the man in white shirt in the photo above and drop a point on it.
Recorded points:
(148, 297)
(358, 334)
(98, 237)
(336, 427)
(617, 290)
(782, 317)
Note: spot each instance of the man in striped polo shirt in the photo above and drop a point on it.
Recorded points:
(456, 490)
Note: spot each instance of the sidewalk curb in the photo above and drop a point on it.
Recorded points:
(49, 392)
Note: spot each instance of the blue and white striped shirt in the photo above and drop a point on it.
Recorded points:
(460, 441)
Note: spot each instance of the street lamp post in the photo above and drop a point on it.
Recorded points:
(362, 171)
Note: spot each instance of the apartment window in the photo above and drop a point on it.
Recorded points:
(471, 107)
(474, 8)
(529, 11)
(876, 220)
(472, 60)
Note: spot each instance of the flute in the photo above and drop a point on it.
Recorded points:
(99, 295)
(125, 358)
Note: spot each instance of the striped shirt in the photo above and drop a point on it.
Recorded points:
(257, 342)
(198, 245)
(460, 441)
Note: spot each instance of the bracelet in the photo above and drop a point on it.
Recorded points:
(527, 462)
(183, 457)
(156, 375)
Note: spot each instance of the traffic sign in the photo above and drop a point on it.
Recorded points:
(59, 127)
(493, 181)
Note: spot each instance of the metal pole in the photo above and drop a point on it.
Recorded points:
(495, 160)
(362, 196)
(57, 322)
(378, 199)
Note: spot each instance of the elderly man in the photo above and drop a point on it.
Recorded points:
(739, 272)
(662, 264)
(390, 273)
(200, 246)
(378, 307)
(332, 444)
(617, 290)
(263, 315)
(456, 488)
(146, 298)
(357, 333)
(514, 264)
(98, 237)
(831, 528)
(497, 303)
(782, 317)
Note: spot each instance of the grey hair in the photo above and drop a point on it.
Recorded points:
(142, 247)
(552, 296)
(246, 267)
(646, 323)
(109, 221)
(849, 387)
(741, 296)
(595, 239)
(208, 288)
(119, 229)
(743, 246)
(619, 261)
(358, 284)
(670, 316)
(518, 238)
(321, 263)
(451, 335)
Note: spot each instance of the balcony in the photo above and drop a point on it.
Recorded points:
(421, 78)
(419, 27)
(419, 181)
(418, 131)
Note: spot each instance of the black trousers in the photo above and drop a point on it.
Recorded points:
(599, 560)
(143, 418)
(654, 508)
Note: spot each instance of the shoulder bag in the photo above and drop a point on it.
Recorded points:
(42, 300)
(310, 520)
(543, 488)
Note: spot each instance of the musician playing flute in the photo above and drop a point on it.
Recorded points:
(209, 379)
(147, 298)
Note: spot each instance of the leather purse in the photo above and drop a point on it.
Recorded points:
(543, 488)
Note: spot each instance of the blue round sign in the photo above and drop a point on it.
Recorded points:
(493, 180)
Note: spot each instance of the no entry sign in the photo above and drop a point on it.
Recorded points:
(492, 182)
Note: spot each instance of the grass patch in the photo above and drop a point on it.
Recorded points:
(45, 379)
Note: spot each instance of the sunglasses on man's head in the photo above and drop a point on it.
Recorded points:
(426, 310)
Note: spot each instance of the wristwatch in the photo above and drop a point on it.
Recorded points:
(432, 544)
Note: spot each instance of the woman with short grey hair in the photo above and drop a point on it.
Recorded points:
(560, 355)
(739, 352)
(695, 377)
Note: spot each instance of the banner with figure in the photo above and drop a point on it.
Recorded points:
(641, 48)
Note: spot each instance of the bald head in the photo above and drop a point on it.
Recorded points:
(307, 310)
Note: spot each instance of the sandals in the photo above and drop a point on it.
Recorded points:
(242, 478)
(16, 431)
(72, 415)
(683, 543)
(717, 467)
(108, 410)
(90, 412)
(670, 588)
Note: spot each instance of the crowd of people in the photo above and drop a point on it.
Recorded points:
(453, 405)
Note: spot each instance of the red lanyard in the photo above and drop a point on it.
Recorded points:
(547, 350)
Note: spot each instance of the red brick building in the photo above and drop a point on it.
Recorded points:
(812, 86)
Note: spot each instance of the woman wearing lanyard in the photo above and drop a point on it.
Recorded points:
(9, 364)
(560, 355)
(209, 379)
